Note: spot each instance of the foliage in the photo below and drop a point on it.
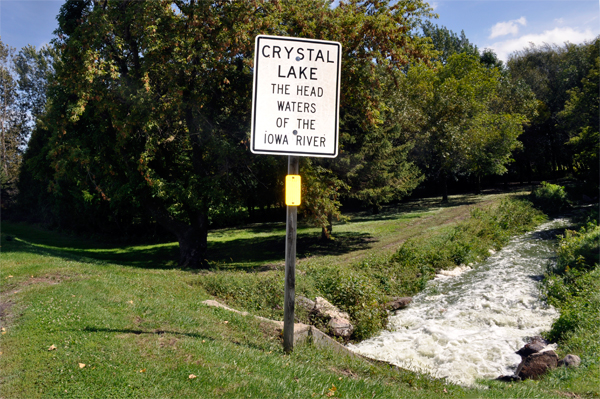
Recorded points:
(551, 198)
(580, 118)
(321, 191)
(13, 121)
(578, 249)
(557, 75)
(446, 42)
(470, 119)
(262, 294)
(355, 293)
(150, 108)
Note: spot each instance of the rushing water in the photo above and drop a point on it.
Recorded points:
(468, 323)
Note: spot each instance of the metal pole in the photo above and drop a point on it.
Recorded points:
(290, 266)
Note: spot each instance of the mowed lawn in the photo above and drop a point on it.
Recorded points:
(85, 320)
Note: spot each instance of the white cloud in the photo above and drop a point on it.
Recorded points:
(507, 28)
(434, 5)
(555, 36)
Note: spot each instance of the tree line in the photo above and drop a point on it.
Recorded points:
(138, 116)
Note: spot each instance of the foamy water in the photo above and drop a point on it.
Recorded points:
(469, 321)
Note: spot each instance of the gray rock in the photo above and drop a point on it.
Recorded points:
(323, 308)
(537, 364)
(570, 361)
(398, 303)
(340, 327)
(305, 303)
(338, 322)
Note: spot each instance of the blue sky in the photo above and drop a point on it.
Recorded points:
(502, 25)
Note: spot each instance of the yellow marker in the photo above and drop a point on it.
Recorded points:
(292, 190)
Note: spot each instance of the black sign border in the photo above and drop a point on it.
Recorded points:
(254, 94)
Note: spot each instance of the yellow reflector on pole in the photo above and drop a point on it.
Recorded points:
(292, 190)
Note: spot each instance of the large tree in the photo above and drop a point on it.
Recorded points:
(151, 99)
(581, 119)
(13, 124)
(552, 72)
(471, 118)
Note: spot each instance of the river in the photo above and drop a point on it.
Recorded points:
(468, 323)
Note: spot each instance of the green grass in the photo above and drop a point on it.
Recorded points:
(137, 323)
(573, 286)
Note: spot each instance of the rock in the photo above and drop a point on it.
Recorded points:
(398, 303)
(536, 365)
(323, 308)
(530, 349)
(338, 322)
(570, 361)
(508, 378)
(305, 303)
(340, 327)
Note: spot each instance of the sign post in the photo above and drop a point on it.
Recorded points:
(295, 112)
(290, 265)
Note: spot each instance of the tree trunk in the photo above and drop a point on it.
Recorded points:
(327, 230)
(444, 187)
(192, 248)
(192, 238)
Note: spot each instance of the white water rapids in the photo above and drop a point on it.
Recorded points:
(467, 324)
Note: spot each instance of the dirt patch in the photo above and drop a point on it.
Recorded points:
(345, 372)
(4, 308)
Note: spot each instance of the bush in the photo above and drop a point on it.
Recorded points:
(358, 295)
(578, 249)
(551, 198)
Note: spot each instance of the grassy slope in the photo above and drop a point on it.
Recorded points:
(137, 324)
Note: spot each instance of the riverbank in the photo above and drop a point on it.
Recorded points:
(83, 320)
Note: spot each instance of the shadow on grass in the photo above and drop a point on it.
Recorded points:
(159, 332)
(252, 253)
(243, 253)
(152, 257)
(412, 208)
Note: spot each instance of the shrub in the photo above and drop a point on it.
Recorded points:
(551, 198)
(356, 294)
(578, 249)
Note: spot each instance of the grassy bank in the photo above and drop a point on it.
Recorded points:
(362, 286)
(83, 320)
(573, 286)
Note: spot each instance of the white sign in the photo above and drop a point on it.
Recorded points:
(295, 103)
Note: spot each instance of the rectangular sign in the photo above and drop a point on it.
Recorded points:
(296, 96)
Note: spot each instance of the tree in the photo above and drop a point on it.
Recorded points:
(551, 71)
(34, 69)
(13, 121)
(580, 119)
(470, 119)
(151, 99)
(447, 42)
